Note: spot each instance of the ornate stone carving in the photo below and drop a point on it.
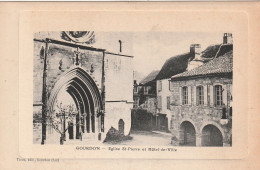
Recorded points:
(87, 37)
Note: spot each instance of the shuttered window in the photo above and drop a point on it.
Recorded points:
(168, 102)
(159, 100)
(159, 85)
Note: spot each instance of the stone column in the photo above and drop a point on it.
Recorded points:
(198, 139)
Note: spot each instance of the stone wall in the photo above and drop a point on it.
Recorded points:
(115, 79)
(164, 93)
(89, 60)
(118, 91)
(202, 115)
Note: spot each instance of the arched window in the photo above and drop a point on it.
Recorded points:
(218, 95)
(42, 53)
(200, 95)
(184, 95)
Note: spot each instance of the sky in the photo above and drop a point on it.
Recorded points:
(152, 49)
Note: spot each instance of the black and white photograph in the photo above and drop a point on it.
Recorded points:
(130, 85)
(148, 88)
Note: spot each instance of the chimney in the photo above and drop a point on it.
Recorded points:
(120, 46)
(195, 51)
(227, 38)
(195, 54)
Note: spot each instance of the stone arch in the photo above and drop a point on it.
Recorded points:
(192, 122)
(212, 123)
(187, 134)
(212, 135)
(85, 94)
(121, 126)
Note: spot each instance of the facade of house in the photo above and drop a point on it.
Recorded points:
(145, 103)
(68, 68)
(173, 66)
(201, 104)
(179, 64)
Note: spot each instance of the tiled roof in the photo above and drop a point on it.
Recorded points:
(219, 65)
(150, 77)
(213, 50)
(178, 64)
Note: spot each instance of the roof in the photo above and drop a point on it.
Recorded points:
(174, 65)
(220, 65)
(178, 64)
(150, 77)
(216, 50)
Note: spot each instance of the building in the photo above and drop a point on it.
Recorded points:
(144, 110)
(172, 66)
(179, 64)
(201, 101)
(78, 67)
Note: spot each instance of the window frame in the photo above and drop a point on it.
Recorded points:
(146, 91)
(200, 95)
(136, 102)
(185, 95)
(218, 95)
(135, 89)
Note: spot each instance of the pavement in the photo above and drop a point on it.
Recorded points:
(163, 133)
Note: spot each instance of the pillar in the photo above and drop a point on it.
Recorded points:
(198, 139)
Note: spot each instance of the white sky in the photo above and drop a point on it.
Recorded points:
(152, 49)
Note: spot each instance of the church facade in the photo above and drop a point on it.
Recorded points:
(70, 69)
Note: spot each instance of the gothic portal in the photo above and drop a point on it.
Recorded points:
(68, 70)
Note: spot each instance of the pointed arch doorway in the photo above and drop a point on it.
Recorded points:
(84, 93)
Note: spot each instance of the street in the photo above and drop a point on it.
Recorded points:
(146, 138)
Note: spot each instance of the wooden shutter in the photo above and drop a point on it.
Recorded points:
(224, 94)
(194, 96)
(205, 93)
(180, 94)
(211, 96)
(189, 95)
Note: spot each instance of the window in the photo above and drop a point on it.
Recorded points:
(159, 102)
(146, 103)
(200, 95)
(145, 90)
(184, 95)
(135, 89)
(159, 85)
(136, 102)
(218, 95)
(168, 102)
